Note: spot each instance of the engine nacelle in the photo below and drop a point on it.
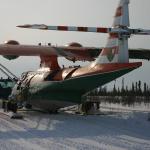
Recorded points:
(11, 42)
(74, 44)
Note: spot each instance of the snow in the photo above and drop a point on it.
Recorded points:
(118, 130)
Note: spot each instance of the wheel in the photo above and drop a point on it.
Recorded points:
(28, 106)
(86, 107)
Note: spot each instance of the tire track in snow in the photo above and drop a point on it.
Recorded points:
(10, 126)
(14, 136)
(80, 132)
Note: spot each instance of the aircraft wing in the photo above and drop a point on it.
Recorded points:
(69, 52)
(139, 54)
(72, 53)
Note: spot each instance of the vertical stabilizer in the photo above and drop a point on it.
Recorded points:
(121, 17)
(116, 49)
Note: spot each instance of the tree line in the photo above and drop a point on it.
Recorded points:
(136, 92)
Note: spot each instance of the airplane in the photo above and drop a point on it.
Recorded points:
(52, 87)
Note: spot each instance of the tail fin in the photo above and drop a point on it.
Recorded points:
(116, 50)
(122, 14)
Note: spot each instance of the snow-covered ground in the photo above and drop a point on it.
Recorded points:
(121, 130)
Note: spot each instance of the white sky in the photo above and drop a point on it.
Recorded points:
(69, 12)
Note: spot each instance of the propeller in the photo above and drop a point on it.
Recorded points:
(73, 28)
(119, 30)
(122, 31)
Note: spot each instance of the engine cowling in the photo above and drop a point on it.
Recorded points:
(74, 44)
(11, 42)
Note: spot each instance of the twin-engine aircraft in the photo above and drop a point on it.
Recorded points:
(52, 87)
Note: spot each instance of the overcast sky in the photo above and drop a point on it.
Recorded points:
(69, 12)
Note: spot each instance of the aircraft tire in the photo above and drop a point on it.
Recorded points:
(86, 107)
(28, 106)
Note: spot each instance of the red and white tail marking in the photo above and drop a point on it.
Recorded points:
(119, 12)
(122, 14)
(110, 53)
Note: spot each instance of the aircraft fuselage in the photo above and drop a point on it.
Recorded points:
(49, 89)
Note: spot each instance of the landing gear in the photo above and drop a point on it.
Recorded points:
(86, 107)
(4, 105)
(89, 107)
(10, 108)
(28, 106)
(97, 105)
(53, 111)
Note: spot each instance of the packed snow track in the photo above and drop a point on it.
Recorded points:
(39, 131)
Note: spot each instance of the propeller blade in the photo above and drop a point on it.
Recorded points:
(74, 28)
(34, 26)
(67, 28)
